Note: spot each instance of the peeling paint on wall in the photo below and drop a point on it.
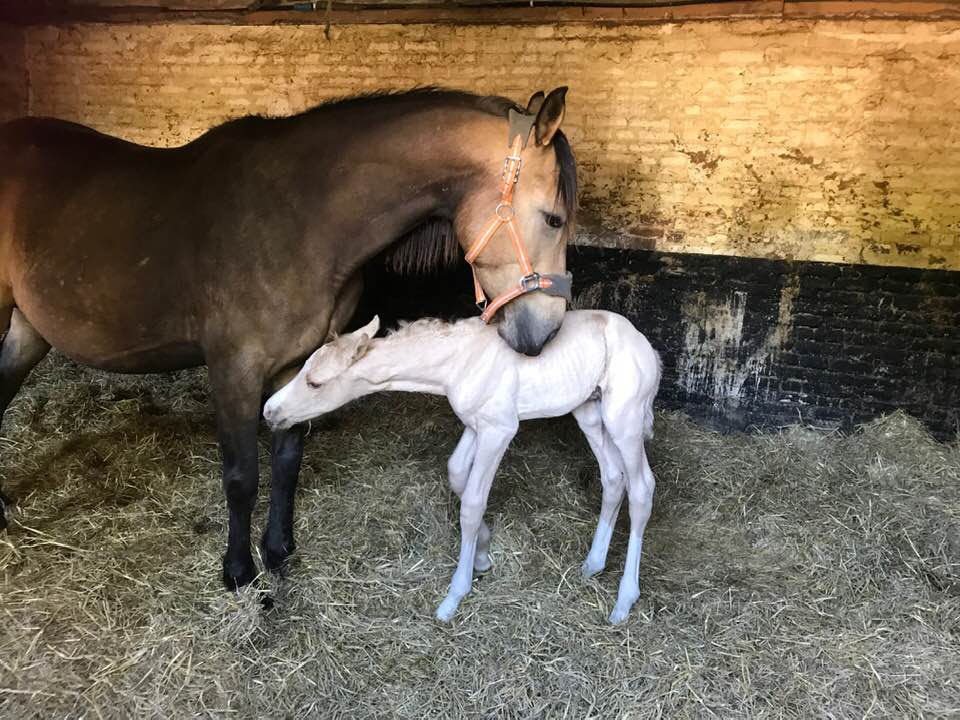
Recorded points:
(717, 359)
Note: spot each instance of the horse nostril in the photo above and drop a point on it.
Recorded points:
(531, 348)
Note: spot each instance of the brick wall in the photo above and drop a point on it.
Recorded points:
(13, 74)
(831, 140)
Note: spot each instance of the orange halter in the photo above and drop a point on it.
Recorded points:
(530, 281)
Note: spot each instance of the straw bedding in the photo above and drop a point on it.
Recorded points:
(793, 574)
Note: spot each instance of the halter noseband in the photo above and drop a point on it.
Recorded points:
(552, 284)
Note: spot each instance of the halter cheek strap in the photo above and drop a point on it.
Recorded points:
(556, 284)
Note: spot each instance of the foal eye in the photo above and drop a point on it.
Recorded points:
(554, 221)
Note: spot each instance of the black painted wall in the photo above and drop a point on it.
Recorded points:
(748, 342)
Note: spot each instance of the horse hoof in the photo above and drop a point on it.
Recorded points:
(4, 502)
(237, 575)
(275, 557)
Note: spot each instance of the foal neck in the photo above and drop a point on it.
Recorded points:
(420, 357)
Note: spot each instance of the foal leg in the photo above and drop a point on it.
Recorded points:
(237, 388)
(22, 349)
(640, 486)
(286, 454)
(458, 470)
(491, 445)
(611, 478)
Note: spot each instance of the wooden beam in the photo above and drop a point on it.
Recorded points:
(875, 9)
(350, 13)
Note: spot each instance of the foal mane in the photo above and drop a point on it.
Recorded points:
(429, 326)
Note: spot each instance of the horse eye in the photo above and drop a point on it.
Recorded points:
(554, 221)
(313, 384)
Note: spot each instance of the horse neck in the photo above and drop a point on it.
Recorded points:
(423, 362)
(401, 169)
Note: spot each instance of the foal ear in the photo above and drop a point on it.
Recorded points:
(371, 328)
(535, 102)
(363, 339)
(550, 116)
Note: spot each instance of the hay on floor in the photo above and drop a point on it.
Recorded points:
(795, 574)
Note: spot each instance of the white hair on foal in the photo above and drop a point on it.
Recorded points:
(599, 367)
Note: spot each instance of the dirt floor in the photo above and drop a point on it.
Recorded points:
(799, 574)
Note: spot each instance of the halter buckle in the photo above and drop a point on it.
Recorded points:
(531, 282)
(508, 212)
(505, 177)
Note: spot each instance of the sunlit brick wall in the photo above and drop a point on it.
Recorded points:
(831, 140)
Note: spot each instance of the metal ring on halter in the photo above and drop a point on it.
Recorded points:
(531, 282)
(506, 206)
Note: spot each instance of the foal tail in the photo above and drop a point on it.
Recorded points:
(647, 402)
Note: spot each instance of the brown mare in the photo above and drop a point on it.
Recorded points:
(241, 250)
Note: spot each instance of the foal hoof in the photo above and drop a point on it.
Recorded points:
(589, 569)
(619, 615)
(448, 608)
(482, 563)
(621, 611)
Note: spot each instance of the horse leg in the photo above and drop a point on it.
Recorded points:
(22, 349)
(458, 470)
(640, 487)
(611, 478)
(491, 445)
(237, 389)
(286, 454)
(286, 449)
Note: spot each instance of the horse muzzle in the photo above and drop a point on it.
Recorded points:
(528, 324)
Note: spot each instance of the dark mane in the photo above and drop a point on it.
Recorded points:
(490, 104)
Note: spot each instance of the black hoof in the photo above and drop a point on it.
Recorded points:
(5, 502)
(238, 574)
(276, 555)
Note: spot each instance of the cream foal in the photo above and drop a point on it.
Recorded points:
(598, 367)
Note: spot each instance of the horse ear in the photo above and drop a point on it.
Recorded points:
(550, 116)
(535, 102)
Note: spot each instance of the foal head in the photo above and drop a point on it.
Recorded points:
(324, 383)
(544, 204)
